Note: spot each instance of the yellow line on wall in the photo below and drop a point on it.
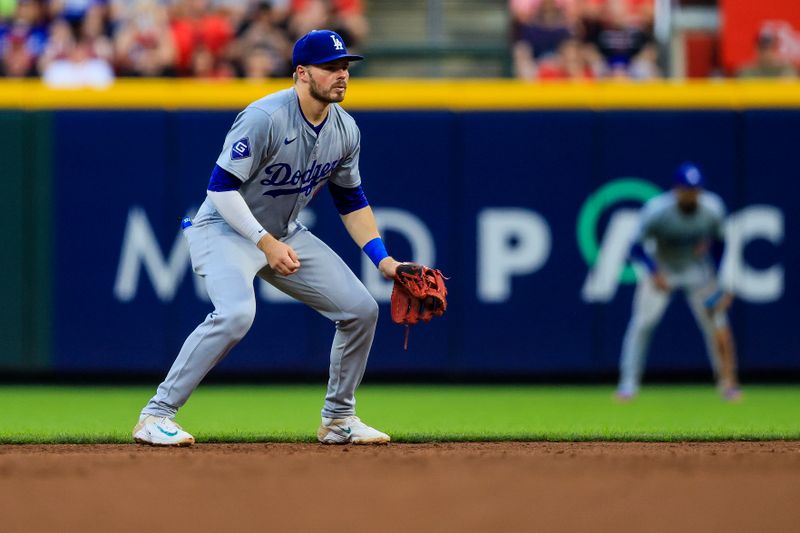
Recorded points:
(416, 94)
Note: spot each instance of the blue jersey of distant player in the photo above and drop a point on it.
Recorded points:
(681, 241)
(282, 161)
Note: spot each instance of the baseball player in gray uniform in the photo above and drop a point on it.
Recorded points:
(680, 237)
(279, 152)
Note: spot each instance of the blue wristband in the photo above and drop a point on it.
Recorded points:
(376, 250)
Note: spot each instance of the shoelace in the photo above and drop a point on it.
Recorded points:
(355, 421)
(168, 423)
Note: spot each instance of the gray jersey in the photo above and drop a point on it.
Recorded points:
(681, 241)
(282, 162)
(680, 244)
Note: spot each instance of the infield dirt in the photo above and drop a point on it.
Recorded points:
(731, 486)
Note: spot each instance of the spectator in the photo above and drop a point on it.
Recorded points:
(205, 64)
(633, 13)
(234, 11)
(60, 42)
(619, 32)
(345, 17)
(525, 10)
(195, 26)
(22, 42)
(569, 63)
(74, 11)
(768, 62)
(260, 35)
(539, 37)
(595, 61)
(644, 65)
(95, 29)
(143, 41)
(17, 59)
(260, 63)
(79, 69)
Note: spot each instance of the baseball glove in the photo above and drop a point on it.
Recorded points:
(419, 293)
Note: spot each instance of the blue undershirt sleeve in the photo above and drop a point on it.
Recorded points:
(717, 251)
(222, 180)
(638, 253)
(347, 199)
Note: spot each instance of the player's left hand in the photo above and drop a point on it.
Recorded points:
(388, 267)
(419, 293)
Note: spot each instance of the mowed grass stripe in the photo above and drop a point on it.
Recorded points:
(410, 413)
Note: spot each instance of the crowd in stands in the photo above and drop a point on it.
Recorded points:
(769, 62)
(90, 42)
(584, 39)
(589, 39)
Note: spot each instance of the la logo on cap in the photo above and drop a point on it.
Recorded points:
(314, 48)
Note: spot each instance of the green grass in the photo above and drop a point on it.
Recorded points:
(410, 413)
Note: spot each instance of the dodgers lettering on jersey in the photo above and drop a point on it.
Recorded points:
(302, 181)
(681, 241)
(282, 162)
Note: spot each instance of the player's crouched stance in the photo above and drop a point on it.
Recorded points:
(684, 228)
(280, 151)
(162, 431)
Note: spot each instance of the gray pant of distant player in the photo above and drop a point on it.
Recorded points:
(229, 264)
(649, 305)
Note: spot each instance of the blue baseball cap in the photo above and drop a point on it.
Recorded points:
(320, 46)
(688, 175)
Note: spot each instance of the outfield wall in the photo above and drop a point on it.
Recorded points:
(524, 195)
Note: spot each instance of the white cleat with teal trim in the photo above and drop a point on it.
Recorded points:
(349, 429)
(160, 431)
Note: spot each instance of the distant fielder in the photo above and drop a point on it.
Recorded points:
(279, 152)
(680, 238)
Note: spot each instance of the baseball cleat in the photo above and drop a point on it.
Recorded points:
(349, 429)
(732, 394)
(624, 396)
(160, 431)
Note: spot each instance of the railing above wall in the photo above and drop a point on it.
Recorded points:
(372, 94)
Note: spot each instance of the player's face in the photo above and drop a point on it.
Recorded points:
(328, 81)
(687, 198)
